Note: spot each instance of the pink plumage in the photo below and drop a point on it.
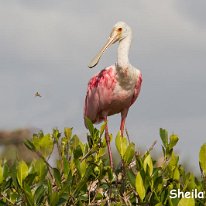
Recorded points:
(104, 99)
(114, 89)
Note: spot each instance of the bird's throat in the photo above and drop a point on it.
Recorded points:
(122, 53)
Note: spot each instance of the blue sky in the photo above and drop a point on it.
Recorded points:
(47, 45)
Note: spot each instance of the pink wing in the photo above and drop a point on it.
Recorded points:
(137, 89)
(99, 91)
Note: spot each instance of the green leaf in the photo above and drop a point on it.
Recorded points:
(40, 168)
(54, 198)
(159, 204)
(31, 178)
(56, 134)
(5, 170)
(102, 128)
(57, 176)
(46, 145)
(83, 167)
(202, 158)
(77, 165)
(164, 137)
(121, 144)
(50, 191)
(84, 180)
(39, 194)
(173, 161)
(74, 142)
(89, 125)
(148, 163)
(29, 145)
(68, 133)
(22, 172)
(173, 140)
(1, 174)
(129, 154)
(176, 174)
(186, 202)
(28, 194)
(78, 152)
(101, 152)
(110, 173)
(164, 151)
(66, 167)
(131, 177)
(140, 186)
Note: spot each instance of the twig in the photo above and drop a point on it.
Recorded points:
(91, 151)
(48, 165)
(152, 146)
(132, 164)
(7, 199)
(127, 134)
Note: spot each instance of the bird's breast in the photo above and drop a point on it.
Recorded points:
(118, 100)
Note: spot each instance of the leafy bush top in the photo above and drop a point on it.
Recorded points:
(82, 175)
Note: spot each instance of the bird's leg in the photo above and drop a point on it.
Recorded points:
(123, 119)
(122, 126)
(108, 143)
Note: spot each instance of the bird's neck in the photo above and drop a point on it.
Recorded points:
(122, 53)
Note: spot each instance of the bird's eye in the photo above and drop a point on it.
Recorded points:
(119, 29)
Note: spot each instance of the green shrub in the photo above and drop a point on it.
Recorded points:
(82, 175)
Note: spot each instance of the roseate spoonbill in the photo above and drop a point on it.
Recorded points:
(114, 89)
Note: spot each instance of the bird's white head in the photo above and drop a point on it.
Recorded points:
(119, 32)
(122, 29)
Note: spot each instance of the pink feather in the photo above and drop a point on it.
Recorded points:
(103, 99)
